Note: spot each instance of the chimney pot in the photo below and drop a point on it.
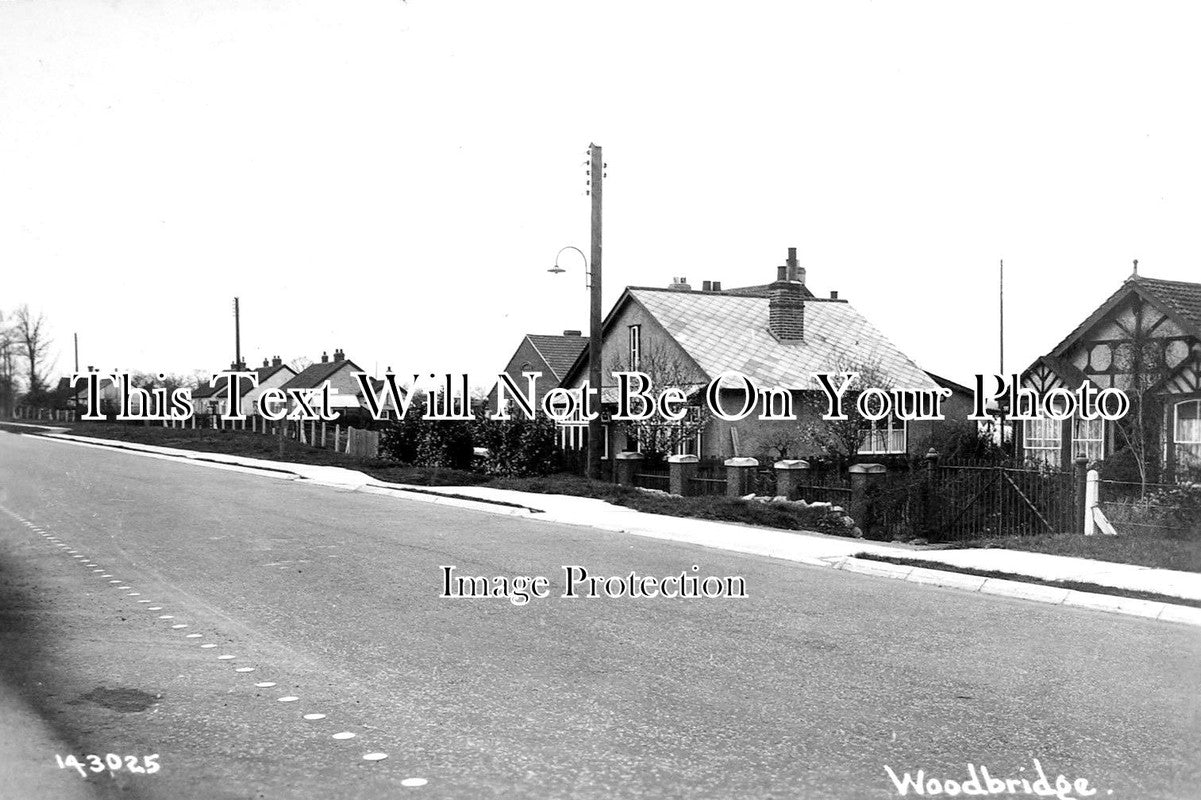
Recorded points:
(834, 294)
(707, 286)
(717, 286)
(795, 273)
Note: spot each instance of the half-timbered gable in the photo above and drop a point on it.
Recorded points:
(1145, 340)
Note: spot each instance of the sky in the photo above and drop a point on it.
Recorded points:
(395, 178)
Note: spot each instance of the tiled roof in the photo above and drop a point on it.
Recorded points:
(316, 374)
(1179, 297)
(209, 390)
(728, 333)
(559, 352)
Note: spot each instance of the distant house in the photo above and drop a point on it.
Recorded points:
(777, 334)
(339, 372)
(1146, 340)
(213, 398)
(109, 394)
(548, 354)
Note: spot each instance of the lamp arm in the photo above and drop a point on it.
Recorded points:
(587, 269)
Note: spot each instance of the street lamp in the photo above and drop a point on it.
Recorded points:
(592, 279)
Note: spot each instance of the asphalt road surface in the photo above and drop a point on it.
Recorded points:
(112, 563)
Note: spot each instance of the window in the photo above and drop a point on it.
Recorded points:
(1187, 434)
(1042, 440)
(1088, 438)
(883, 436)
(635, 348)
(687, 434)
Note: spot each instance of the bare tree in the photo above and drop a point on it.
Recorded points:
(666, 369)
(8, 378)
(841, 440)
(33, 344)
(1143, 361)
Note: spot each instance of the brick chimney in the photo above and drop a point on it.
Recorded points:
(786, 304)
(277, 362)
(571, 333)
(680, 285)
(324, 357)
(339, 355)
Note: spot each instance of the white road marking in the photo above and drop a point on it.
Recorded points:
(244, 669)
(179, 626)
(414, 782)
(344, 735)
(374, 756)
(291, 698)
(265, 684)
(314, 716)
(225, 657)
(210, 644)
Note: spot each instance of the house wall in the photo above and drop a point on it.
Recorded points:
(250, 402)
(526, 353)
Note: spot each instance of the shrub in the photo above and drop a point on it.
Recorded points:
(518, 447)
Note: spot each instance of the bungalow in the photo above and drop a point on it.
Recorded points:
(339, 373)
(778, 335)
(1145, 340)
(548, 354)
(213, 399)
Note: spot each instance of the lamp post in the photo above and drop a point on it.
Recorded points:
(592, 277)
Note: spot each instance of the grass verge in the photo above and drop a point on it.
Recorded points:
(1158, 549)
(1080, 586)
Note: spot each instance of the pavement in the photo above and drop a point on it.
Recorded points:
(812, 548)
(238, 623)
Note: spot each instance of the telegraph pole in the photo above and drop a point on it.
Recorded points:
(237, 336)
(595, 427)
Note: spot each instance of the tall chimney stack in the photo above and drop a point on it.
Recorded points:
(786, 302)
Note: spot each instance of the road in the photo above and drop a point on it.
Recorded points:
(808, 687)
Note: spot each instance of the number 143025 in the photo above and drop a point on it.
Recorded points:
(111, 762)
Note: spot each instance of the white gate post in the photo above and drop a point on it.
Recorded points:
(1091, 494)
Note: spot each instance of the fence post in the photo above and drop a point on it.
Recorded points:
(929, 523)
(863, 477)
(625, 466)
(680, 472)
(1081, 488)
(323, 433)
(789, 474)
(740, 472)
